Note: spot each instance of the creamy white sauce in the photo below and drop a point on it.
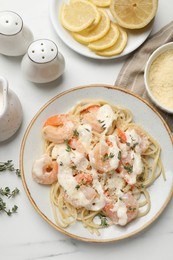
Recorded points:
(122, 215)
(69, 184)
(137, 167)
(114, 151)
(130, 178)
(39, 164)
(124, 150)
(105, 116)
(115, 182)
(137, 163)
(121, 210)
(100, 201)
(133, 138)
(65, 174)
(79, 160)
(85, 135)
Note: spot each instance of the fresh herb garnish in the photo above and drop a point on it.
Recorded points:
(7, 192)
(61, 164)
(102, 122)
(3, 207)
(107, 156)
(119, 155)
(103, 219)
(76, 133)
(77, 186)
(131, 208)
(128, 168)
(68, 146)
(141, 178)
(8, 166)
(133, 144)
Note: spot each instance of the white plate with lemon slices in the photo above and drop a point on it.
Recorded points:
(134, 37)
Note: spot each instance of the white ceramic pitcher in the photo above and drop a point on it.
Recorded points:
(15, 37)
(10, 111)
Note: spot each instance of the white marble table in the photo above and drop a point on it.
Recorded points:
(26, 235)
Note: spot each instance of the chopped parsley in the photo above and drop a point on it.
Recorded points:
(128, 168)
(107, 156)
(77, 187)
(119, 155)
(68, 146)
(103, 219)
(74, 167)
(133, 144)
(141, 178)
(131, 208)
(76, 133)
(102, 122)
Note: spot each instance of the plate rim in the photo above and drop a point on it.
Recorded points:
(22, 147)
(97, 57)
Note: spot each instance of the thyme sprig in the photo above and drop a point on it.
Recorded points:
(7, 192)
(3, 207)
(9, 166)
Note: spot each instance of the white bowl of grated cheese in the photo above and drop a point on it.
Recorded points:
(158, 77)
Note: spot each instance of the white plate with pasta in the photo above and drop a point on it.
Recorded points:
(135, 38)
(101, 163)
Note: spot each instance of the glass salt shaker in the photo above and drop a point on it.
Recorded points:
(43, 62)
(15, 37)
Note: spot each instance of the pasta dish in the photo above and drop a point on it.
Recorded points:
(99, 164)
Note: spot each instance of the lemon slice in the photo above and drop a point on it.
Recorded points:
(118, 47)
(101, 3)
(77, 15)
(133, 14)
(97, 18)
(107, 41)
(98, 32)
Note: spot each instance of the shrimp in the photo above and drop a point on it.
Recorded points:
(44, 170)
(76, 144)
(82, 197)
(130, 166)
(104, 156)
(123, 211)
(58, 128)
(83, 178)
(89, 117)
(137, 139)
